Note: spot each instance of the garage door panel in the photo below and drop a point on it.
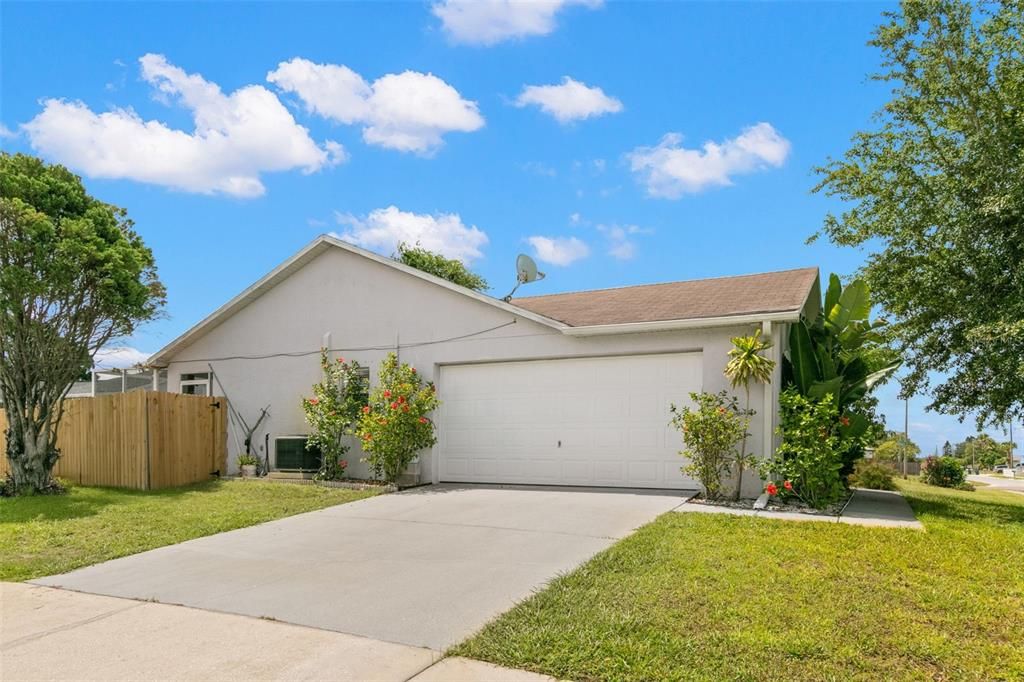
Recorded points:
(593, 421)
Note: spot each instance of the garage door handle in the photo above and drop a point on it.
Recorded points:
(559, 443)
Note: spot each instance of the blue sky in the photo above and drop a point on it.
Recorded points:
(577, 132)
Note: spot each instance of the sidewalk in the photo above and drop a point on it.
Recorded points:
(53, 634)
(881, 508)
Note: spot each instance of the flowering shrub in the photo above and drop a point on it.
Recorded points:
(946, 472)
(394, 425)
(332, 411)
(809, 460)
(711, 431)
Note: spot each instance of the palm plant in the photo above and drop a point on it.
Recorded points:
(746, 365)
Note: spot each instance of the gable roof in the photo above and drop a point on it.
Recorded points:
(309, 252)
(703, 299)
(672, 305)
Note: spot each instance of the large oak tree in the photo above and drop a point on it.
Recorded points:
(73, 276)
(936, 195)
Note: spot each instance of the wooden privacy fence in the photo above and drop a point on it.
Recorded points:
(143, 440)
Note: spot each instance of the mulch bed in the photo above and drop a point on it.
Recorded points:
(776, 505)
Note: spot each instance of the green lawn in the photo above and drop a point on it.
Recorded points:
(50, 534)
(698, 596)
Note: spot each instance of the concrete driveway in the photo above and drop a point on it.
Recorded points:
(426, 567)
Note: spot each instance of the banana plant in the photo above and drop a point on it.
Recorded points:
(826, 355)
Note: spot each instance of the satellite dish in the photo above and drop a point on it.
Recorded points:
(526, 272)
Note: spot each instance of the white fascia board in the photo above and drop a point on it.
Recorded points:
(674, 325)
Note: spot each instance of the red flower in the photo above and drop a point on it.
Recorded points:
(845, 421)
(413, 370)
(366, 410)
(405, 408)
(341, 360)
(401, 399)
(423, 420)
(721, 410)
(788, 485)
(313, 401)
(771, 489)
(387, 393)
(394, 406)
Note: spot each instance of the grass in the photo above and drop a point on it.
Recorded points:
(48, 534)
(710, 597)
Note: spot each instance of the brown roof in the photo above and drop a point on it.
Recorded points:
(769, 292)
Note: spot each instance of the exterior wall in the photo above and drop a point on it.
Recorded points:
(367, 308)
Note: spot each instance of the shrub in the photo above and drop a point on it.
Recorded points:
(711, 431)
(247, 460)
(946, 472)
(394, 425)
(808, 460)
(872, 475)
(332, 412)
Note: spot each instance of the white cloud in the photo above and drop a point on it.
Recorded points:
(575, 218)
(570, 101)
(620, 245)
(443, 233)
(407, 111)
(6, 133)
(118, 357)
(486, 22)
(539, 168)
(559, 250)
(670, 170)
(236, 137)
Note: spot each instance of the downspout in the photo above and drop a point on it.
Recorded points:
(768, 406)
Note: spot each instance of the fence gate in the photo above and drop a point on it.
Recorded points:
(142, 439)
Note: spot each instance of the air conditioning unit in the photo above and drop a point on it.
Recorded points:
(291, 454)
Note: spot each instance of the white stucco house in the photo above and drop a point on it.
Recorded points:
(563, 389)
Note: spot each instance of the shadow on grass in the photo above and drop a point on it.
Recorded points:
(83, 501)
(963, 506)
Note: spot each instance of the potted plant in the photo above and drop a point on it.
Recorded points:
(247, 463)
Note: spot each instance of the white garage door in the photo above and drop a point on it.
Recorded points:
(587, 421)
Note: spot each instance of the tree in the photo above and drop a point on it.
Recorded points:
(73, 276)
(981, 450)
(332, 412)
(446, 268)
(937, 190)
(895, 448)
(947, 449)
(394, 426)
(746, 364)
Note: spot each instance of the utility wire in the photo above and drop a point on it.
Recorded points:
(390, 346)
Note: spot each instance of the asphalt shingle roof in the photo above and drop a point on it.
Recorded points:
(768, 292)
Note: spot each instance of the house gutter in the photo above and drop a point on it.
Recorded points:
(673, 325)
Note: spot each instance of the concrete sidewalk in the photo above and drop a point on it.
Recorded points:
(51, 634)
(881, 508)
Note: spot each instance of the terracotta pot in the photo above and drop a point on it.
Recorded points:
(248, 471)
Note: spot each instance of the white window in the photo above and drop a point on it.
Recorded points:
(196, 383)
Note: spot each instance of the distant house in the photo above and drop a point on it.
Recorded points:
(568, 389)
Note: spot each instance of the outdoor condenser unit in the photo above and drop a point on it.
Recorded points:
(290, 454)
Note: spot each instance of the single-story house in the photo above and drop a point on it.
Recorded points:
(561, 389)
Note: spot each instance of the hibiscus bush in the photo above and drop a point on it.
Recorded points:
(394, 425)
(808, 463)
(711, 432)
(332, 412)
(945, 471)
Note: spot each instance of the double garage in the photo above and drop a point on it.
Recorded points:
(595, 421)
